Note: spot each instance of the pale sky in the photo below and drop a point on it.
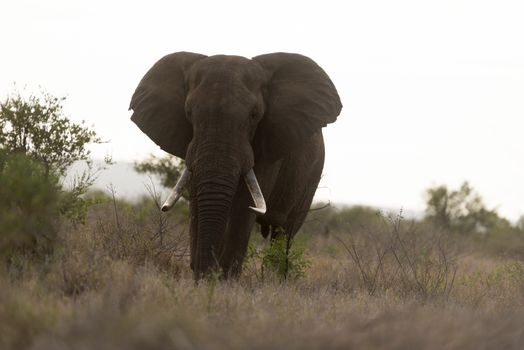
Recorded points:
(433, 91)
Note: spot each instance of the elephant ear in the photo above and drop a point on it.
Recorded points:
(158, 103)
(301, 99)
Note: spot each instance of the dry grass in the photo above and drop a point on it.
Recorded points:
(116, 286)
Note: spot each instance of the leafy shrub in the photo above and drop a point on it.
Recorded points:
(28, 205)
(37, 145)
(280, 257)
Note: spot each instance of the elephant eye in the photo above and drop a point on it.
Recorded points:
(188, 113)
(254, 113)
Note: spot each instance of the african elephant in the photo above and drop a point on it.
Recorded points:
(250, 130)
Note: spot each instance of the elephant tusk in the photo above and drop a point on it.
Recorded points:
(175, 194)
(256, 193)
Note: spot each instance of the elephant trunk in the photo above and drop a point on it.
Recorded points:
(214, 195)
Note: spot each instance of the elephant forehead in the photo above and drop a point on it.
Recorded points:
(227, 69)
(225, 96)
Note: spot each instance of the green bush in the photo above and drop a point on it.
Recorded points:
(280, 257)
(29, 204)
(37, 144)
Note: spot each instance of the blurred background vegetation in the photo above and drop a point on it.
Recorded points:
(74, 259)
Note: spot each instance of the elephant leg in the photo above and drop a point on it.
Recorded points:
(264, 229)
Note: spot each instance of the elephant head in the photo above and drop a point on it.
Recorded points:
(222, 114)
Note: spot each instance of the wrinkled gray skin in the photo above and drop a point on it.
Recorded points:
(226, 115)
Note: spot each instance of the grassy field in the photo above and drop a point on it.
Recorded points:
(122, 281)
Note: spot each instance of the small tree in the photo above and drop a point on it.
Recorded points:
(37, 127)
(167, 168)
(462, 211)
(37, 145)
